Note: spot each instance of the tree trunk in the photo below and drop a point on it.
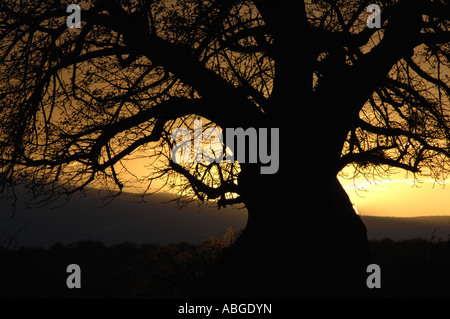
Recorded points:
(303, 237)
(303, 241)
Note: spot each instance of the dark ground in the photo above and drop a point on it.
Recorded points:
(409, 269)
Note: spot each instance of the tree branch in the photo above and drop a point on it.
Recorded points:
(182, 62)
(376, 160)
(201, 189)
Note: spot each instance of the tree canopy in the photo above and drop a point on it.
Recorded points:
(76, 103)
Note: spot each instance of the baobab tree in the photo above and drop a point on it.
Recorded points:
(76, 103)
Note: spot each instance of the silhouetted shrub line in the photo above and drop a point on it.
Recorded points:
(414, 268)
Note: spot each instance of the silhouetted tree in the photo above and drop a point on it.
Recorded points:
(76, 103)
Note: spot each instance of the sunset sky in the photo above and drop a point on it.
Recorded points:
(398, 196)
(127, 219)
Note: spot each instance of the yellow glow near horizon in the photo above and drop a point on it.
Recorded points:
(398, 197)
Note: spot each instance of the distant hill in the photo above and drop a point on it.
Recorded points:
(401, 228)
(158, 220)
(128, 219)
